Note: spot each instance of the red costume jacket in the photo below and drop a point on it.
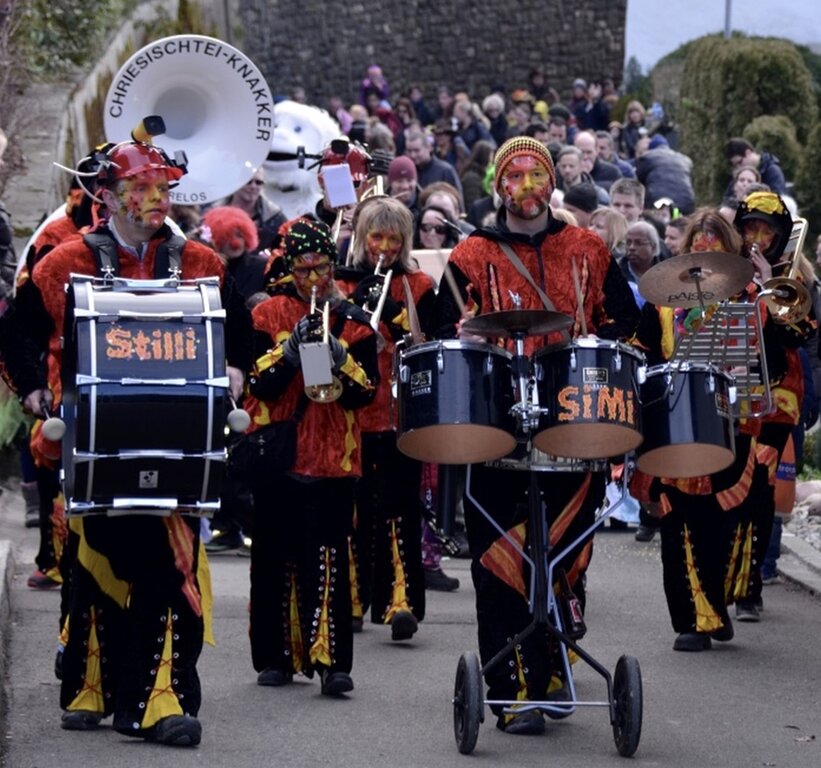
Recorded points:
(328, 434)
(379, 416)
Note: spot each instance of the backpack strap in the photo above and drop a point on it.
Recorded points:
(104, 249)
(168, 260)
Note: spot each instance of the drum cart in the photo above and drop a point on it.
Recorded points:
(463, 402)
(624, 688)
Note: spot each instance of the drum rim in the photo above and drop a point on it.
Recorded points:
(688, 367)
(456, 344)
(597, 343)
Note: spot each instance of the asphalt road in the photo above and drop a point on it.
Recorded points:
(753, 702)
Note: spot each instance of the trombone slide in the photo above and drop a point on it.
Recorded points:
(377, 312)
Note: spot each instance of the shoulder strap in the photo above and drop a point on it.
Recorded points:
(104, 249)
(168, 260)
(522, 270)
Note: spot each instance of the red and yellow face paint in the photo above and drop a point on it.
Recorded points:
(385, 242)
(706, 241)
(144, 199)
(309, 270)
(757, 232)
(525, 187)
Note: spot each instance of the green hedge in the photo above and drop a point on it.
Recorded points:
(726, 85)
(808, 187)
(776, 134)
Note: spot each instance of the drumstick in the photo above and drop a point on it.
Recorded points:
(448, 275)
(413, 317)
(579, 297)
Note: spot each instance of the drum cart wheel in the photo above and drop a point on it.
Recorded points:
(468, 702)
(626, 711)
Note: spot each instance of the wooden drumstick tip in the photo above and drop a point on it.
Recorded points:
(238, 420)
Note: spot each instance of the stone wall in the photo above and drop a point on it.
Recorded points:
(325, 47)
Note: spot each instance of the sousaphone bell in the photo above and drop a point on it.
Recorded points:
(216, 105)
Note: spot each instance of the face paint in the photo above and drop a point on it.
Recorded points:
(526, 187)
(706, 241)
(144, 199)
(309, 270)
(387, 242)
(757, 232)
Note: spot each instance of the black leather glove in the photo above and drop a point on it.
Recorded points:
(302, 333)
(366, 293)
(338, 352)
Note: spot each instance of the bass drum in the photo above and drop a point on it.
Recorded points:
(144, 397)
(590, 389)
(688, 423)
(454, 400)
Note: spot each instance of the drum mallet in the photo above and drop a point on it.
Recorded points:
(53, 427)
(238, 419)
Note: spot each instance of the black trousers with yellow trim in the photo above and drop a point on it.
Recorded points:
(129, 640)
(774, 434)
(301, 527)
(697, 538)
(387, 513)
(501, 610)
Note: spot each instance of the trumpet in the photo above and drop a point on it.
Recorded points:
(788, 299)
(316, 361)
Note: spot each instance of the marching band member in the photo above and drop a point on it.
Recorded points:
(303, 509)
(486, 276)
(699, 515)
(136, 626)
(715, 529)
(765, 225)
(388, 517)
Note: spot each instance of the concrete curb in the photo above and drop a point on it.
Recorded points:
(6, 575)
(800, 563)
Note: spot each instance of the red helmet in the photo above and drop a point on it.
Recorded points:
(132, 157)
(342, 151)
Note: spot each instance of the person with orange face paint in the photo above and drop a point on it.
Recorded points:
(300, 571)
(388, 510)
(765, 226)
(488, 280)
(137, 625)
(700, 516)
(715, 529)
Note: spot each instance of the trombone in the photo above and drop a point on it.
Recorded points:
(787, 298)
(381, 296)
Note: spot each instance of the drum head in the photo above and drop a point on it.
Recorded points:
(456, 443)
(685, 460)
(587, 441)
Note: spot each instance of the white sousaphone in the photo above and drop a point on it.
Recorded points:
(216, 105)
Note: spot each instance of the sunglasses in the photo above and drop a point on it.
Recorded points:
(440, 229)
(320, 269)
(256, 182)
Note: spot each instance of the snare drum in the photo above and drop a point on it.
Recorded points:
(688, 424)
(454, 402)
(590, 390)
(144, 396)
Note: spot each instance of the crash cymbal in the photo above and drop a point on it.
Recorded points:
(678, 281)
(530, 322)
